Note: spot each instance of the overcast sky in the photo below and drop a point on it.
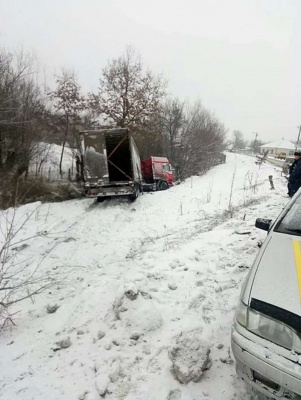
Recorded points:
(242, 58)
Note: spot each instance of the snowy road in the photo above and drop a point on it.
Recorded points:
(133, 277)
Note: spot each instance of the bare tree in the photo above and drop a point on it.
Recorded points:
(161, 134)
(20, 278)
(173, 119)
(151, 139)
(22, 107)
(238, 142)
(128, 95)
(255, 145)
(68, 103)
(201, 139)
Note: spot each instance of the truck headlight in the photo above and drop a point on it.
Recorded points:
(268, 328)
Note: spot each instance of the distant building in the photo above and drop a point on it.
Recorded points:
(277, 148)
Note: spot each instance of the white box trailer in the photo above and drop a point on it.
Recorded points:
(112, 165)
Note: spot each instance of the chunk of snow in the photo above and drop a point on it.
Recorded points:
(102, 381)
(190, 357)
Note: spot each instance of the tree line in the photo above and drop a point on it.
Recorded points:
(128, 95)
(239, 143)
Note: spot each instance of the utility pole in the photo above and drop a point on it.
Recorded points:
(297, 144)
(255, 141)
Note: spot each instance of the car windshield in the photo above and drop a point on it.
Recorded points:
(167, 168)
(291, 222)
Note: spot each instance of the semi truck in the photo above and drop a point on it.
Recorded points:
(157, 171)
(112, 166)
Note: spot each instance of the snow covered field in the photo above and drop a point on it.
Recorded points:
(143, 287)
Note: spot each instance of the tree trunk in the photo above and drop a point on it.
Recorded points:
(62, 154)
(1, 152)
(64, 143)
(82, 168)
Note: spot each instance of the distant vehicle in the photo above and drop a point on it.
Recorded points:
(280, 156)
(157, 173)
(266, 335)
(112, 166)
(221, 158)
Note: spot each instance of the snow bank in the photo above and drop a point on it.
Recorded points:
(46, 161)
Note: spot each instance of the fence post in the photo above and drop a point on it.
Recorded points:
(271, 182)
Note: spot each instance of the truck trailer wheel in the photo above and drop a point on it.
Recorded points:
(162, 185)
(100, 199)
(135, 195)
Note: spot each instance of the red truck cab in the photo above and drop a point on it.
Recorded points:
(157, 170)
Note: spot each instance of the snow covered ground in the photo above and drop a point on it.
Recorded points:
(143, 288)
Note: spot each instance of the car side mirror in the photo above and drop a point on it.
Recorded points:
(263, 223)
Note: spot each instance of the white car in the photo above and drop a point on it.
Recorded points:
(266, 334)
